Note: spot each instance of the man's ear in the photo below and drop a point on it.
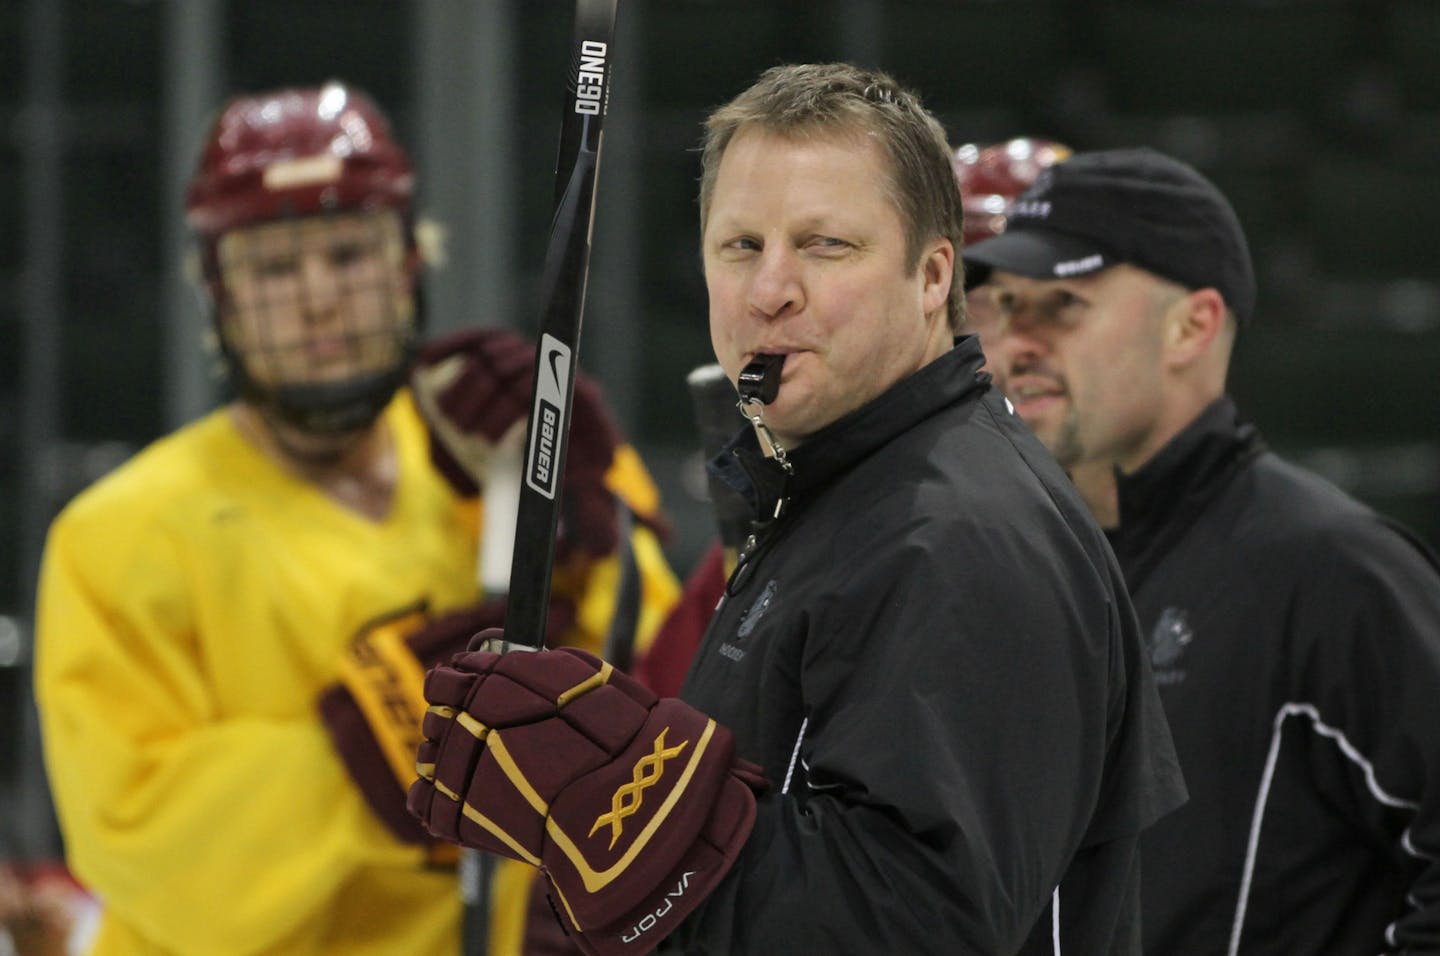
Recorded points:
(938, 268)
(1193, 324)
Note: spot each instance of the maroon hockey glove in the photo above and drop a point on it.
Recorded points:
(473, 387)
(633, 806)
(373, 713)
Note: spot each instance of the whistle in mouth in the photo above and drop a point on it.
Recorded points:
(760, 380)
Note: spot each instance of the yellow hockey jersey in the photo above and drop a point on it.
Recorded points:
(193, 605)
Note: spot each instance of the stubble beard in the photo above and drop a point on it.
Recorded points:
(1066, 445)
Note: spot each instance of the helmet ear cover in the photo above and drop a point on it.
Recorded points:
(991, 177)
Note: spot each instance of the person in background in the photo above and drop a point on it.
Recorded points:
(1294, 633)
(233, 626)
(926, 648)
(989, 177)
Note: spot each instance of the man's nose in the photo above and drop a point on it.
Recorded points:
(319, 286)
(776, 288)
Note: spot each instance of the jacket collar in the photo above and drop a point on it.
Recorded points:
(1166, 494)
(843, 443)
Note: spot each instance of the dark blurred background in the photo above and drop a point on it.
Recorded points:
(1320, 118)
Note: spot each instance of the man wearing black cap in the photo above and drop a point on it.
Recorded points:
(1294, 633)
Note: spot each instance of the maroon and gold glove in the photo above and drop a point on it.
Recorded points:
(374, 712)
(474, 387)
(633, 806)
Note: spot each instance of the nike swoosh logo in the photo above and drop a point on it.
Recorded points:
(555, 367)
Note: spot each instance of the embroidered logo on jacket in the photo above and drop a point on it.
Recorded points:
(1172, 634)
(757, 610)
(748, 621)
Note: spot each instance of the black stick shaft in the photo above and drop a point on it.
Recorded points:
(567, 266)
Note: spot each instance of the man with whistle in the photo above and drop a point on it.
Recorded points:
(921, 720)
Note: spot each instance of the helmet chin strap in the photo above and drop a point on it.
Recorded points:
(332, 408)
(322, 408)
(328, 451)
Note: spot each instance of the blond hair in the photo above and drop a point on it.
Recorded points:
(836, 99)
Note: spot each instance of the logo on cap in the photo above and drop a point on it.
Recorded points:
(1091, 263)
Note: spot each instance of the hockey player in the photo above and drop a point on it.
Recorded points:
(926, 649)
(233, 626)
(1294, 633)
(990, 179)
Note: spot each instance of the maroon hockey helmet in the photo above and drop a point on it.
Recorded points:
(990, 177)
(292, 154)
(297, 152)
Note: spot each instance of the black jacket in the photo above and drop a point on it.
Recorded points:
(1295, 637)
(932, 655)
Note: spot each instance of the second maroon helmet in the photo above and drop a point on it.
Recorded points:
(990, 177)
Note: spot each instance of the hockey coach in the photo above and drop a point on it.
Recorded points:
(921, 720)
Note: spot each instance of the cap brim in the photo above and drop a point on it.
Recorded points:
(1035, 254)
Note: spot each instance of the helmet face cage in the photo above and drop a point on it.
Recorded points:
(302, 207)
(318, 316)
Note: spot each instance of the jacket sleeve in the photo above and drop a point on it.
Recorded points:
(954, 746)
(168, 803)
(1368, 680)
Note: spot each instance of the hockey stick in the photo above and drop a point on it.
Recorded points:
(562, 296)
(562, 289)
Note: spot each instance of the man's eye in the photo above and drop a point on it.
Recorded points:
(1064, 308)
(347, 255)
(743, 243)
(277, 268)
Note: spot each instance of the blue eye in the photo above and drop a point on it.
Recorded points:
(741, 244)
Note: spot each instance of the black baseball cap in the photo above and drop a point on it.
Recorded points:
(1099, 209)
